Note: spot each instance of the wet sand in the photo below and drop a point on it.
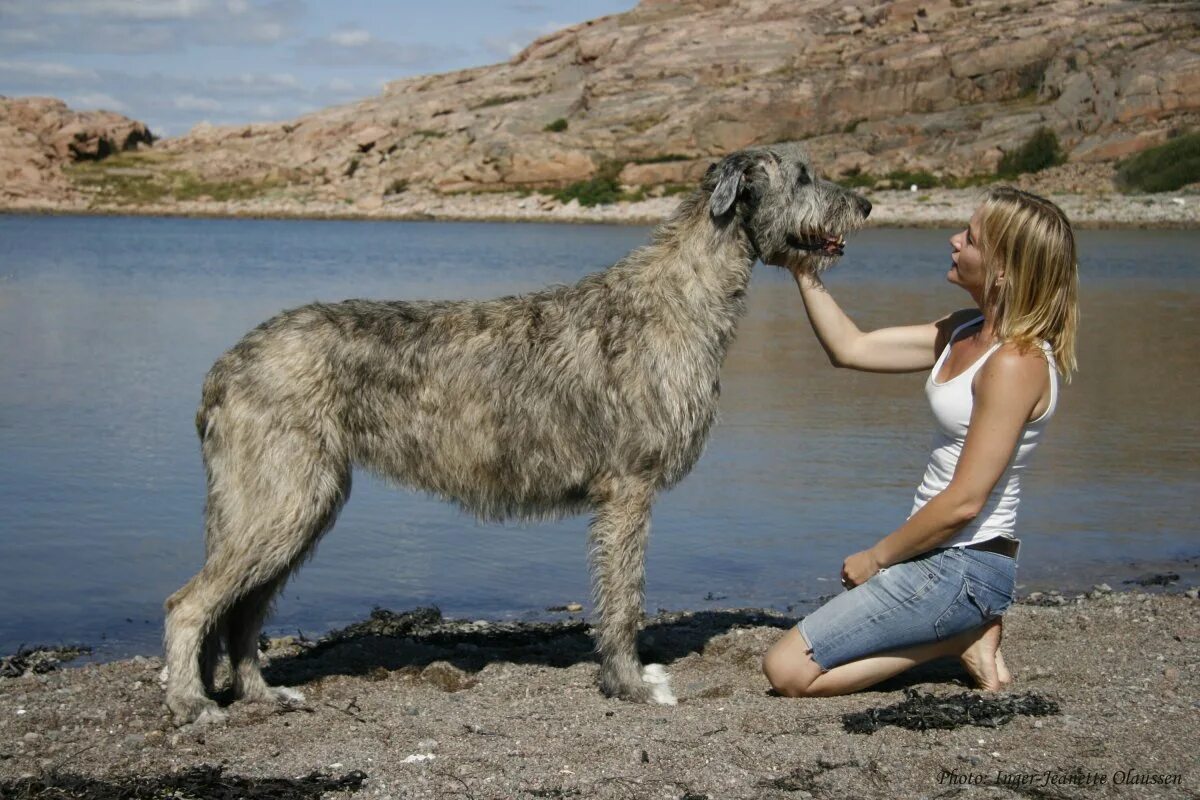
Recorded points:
(429, 708)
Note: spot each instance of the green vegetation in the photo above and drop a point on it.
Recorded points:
(665, 158)
(856, 179)
(557, 126)
(398, 186)
(853, 124)
(1039, 151)
(675, 188)
(921, 178)
(352, 167)
(135, 181)
(601, 189)
(1165, 168)
(425, 133)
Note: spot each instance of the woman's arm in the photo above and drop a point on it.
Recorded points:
(1007, 390)
(908, 348)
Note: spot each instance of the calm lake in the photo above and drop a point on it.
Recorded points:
(108, 325)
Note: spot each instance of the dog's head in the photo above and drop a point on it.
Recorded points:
(793, 217)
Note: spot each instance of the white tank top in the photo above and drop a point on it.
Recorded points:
(951, 403)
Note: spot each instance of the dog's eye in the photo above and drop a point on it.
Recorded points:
(803, 177)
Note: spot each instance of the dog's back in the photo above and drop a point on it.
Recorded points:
(510, 407)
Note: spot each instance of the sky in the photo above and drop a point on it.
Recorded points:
(175, 63)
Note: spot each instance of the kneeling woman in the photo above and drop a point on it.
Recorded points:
(938, 585)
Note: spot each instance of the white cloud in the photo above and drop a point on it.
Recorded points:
(190, 102)
(354, 47)
(96, 100)
(127, 9)
(15, 71)
(355, 37)
(142, 26)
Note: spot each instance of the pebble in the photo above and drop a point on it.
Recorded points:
(427, 745)
(31, 736)
(134, 740)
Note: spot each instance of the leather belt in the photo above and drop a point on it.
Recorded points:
(998, 544)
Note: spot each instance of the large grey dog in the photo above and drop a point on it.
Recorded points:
(590, 397)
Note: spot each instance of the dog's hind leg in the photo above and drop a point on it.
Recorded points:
(245, 624)
(618, 549)
(277, 490)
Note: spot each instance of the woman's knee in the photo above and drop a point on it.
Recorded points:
(788, 666)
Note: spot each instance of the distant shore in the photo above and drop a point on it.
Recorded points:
(933, 208)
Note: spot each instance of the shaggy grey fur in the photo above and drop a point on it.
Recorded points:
(592, 397)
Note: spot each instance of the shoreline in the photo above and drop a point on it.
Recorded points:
(107, 644)
(413, 705)
(934, 208)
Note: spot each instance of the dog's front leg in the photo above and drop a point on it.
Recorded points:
(618, 550)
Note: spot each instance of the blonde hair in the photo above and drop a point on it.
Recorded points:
(1030, 241)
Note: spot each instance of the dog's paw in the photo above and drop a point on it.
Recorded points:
(194, 711)
(287, 696)
(211, 716)
(164, 675)
(655, 675)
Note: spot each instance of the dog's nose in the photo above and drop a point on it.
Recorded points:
(865, 205)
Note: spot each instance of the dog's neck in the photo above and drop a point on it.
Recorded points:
(695, 273)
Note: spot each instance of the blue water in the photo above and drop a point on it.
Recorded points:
(108, 325)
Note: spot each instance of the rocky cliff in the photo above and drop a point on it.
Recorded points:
(940, 85)
(39, 135)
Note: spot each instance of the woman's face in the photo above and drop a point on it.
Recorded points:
(966, 261)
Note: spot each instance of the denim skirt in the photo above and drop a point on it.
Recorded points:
(933, 596)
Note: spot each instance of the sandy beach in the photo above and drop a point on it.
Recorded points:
(411, 705)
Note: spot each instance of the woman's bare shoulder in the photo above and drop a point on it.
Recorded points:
(950, 323)
(1015, 365)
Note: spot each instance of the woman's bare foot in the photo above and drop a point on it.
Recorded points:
(1002, 672)
(979, 656)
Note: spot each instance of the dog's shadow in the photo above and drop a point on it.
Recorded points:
(412, 640)
(408, 642)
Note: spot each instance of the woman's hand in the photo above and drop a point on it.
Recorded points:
(858, 568)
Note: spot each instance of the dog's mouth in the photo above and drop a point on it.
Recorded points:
(826, 244)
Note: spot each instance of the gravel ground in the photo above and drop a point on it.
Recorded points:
(429, 708)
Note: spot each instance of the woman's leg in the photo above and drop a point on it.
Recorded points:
(792, 672)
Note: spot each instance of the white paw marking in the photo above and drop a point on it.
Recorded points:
(288, 696)
(660, 684)
(211, 716)
(163, 676)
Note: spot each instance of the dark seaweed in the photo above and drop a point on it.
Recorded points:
(920, 712)
(38, 659)
(198, 783)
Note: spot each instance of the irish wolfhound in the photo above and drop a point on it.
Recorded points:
(590, 397)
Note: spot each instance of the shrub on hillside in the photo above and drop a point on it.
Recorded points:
(557, 126)
(1164, 168)
(1039, 151)
(601, 189)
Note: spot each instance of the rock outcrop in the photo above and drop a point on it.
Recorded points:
(38, 135)
(654, 94)
(940, 85)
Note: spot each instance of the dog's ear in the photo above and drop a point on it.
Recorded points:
(727, 178)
